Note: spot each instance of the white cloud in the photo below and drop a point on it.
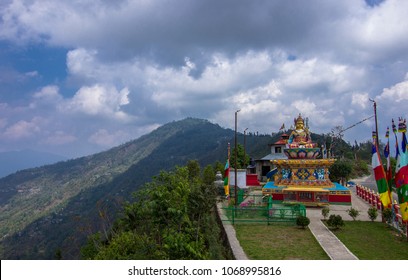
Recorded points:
(360, 100)
(23, 129)
(315, 73)
(382, 30)
(3, 123)
(106, 139)
(82, 62)
(32, 74)
(396, 93)
(47, 95)
(99, 100)
(174, 87)
(60, 138)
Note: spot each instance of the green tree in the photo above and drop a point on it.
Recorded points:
(58, 254)
(340, 170)
(359, 169)
(173, 218)
(302, 221)
(127, 245)
(353, 213)
(325, 212)
(218, 166)
(240, 157)
(208, 175)
(372, 213)
(387, 215)
(194, 168)
(335, 221)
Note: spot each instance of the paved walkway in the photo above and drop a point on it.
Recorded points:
(334, 248)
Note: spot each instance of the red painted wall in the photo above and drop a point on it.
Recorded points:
(252, 180)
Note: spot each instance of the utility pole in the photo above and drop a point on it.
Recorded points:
(236, 162)
(245, 165)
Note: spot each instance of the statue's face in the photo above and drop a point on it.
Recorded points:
(299, 125)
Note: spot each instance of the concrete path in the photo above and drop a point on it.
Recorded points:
(333, 247)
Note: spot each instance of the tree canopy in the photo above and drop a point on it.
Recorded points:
(172, 218)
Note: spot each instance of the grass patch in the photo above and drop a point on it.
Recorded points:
(278, 242)
(373, 241)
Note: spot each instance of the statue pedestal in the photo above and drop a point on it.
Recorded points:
(303, 178)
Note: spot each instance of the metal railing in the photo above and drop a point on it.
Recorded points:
(261, 209)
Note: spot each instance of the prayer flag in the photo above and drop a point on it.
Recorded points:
(388, 171)
(401, 173)
(226, 178)
(380, 177)
(282, 127)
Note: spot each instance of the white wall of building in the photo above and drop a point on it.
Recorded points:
(241, 178)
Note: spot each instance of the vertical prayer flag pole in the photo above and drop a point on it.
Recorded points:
(376, 122)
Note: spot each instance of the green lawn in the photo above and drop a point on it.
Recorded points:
(367, 240)
(373, 241)
(278, 242)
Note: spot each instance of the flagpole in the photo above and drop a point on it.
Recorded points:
(376, 122)
(229, 165)
(394, 130)
(229, 152)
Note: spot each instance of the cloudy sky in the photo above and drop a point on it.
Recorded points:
(80, 76)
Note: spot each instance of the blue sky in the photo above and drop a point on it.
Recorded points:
(78, 77)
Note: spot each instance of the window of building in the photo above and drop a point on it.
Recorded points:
(278, 150)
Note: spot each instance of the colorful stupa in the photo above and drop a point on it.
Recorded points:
(304, 177)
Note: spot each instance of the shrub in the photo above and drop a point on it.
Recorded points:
(387, 215)
(353, 213)
(302, 221)
(372, 213)
(325, 212)
(335, 221)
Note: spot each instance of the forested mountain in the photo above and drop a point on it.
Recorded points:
(55, 207)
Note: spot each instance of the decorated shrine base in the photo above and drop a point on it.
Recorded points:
(309, 196)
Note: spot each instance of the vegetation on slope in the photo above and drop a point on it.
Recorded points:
(174, 217)
(35, 226)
